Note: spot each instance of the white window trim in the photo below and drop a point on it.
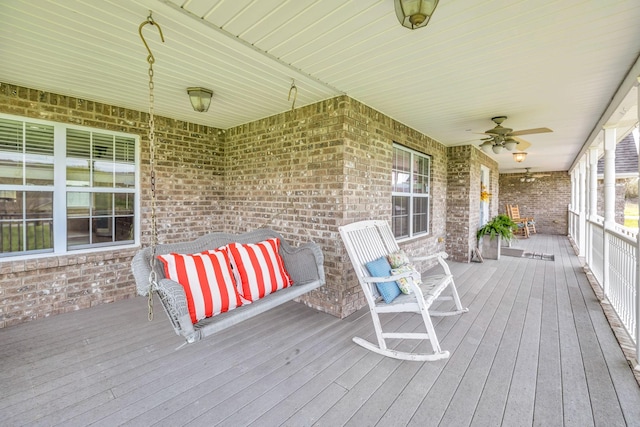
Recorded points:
(60, 187)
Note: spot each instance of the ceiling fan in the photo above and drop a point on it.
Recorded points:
(530, 177)
(502, 137)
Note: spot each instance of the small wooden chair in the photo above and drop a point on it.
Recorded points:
(368, 241)
(529, 224)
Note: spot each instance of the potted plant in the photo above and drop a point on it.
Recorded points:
(491, 235)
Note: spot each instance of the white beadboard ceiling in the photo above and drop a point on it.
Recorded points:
(542, 63)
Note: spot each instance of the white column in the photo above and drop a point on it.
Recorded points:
(593, 182)
(592, 201)
(574, 207)
(609, 177)
(582, 203)
(637, 284)
(609, 201)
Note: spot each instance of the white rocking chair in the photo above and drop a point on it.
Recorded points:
(367, 241)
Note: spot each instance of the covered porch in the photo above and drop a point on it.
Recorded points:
(534, 349)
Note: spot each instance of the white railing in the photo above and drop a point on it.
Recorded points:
(612, 257)
(574, 226)
(622, 278)
(596, 260)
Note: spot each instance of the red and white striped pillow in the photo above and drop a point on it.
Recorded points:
(259, 267)
(207, 280)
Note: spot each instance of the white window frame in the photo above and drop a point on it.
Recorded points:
(412, 195)
(60, 190)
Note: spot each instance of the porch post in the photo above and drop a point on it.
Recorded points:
(582, 200)
(609, 199)
(593, 200)
(574, 205)
(637, 281)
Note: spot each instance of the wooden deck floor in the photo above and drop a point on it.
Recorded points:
(534, 349)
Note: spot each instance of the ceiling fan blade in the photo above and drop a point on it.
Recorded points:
(522, 143)
(530, 131)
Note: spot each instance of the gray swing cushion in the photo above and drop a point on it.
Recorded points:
(303, 263)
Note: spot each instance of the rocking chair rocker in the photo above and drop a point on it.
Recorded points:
(367, 241)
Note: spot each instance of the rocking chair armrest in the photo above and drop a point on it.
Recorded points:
(442, 255)
(393, 278)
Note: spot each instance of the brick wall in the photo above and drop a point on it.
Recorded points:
(303, 173)
(368, 142)
(546, 199)
(189, 181)
(464, 187)
(306, 172)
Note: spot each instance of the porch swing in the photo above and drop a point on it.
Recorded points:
(303, 265)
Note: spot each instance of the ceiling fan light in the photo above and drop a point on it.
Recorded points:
(497, 148)
(200, 98)
(510, 144)
(519, 157)
(486, 146)
(414, 14)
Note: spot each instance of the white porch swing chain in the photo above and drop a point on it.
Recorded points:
(152, 137)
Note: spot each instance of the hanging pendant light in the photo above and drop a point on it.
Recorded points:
(519, 157)
(414, 14)
(200, 98)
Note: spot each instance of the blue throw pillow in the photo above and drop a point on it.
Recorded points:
(381, 268)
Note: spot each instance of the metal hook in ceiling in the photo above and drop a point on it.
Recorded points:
(150, 59)
(295, 95)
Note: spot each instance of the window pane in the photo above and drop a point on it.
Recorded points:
(78, 232)
(125, 175)
(124, 228)
(401, 171)
(102, 160)
(102, 173)
(421, 174)
(420, 184)
(38, 154)
(26, 221)
(11, 152)
(78, 158)
(400, 216)
(78, 204)
(102, 230)
(421, 165)
(39, 205)
(125, 149)
(102, 204)
(420, 215)
(124, 204)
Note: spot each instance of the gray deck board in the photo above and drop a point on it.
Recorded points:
(535, 349)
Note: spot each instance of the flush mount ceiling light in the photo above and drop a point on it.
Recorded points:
(200, 98)
(519, 157)
(414, 14)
